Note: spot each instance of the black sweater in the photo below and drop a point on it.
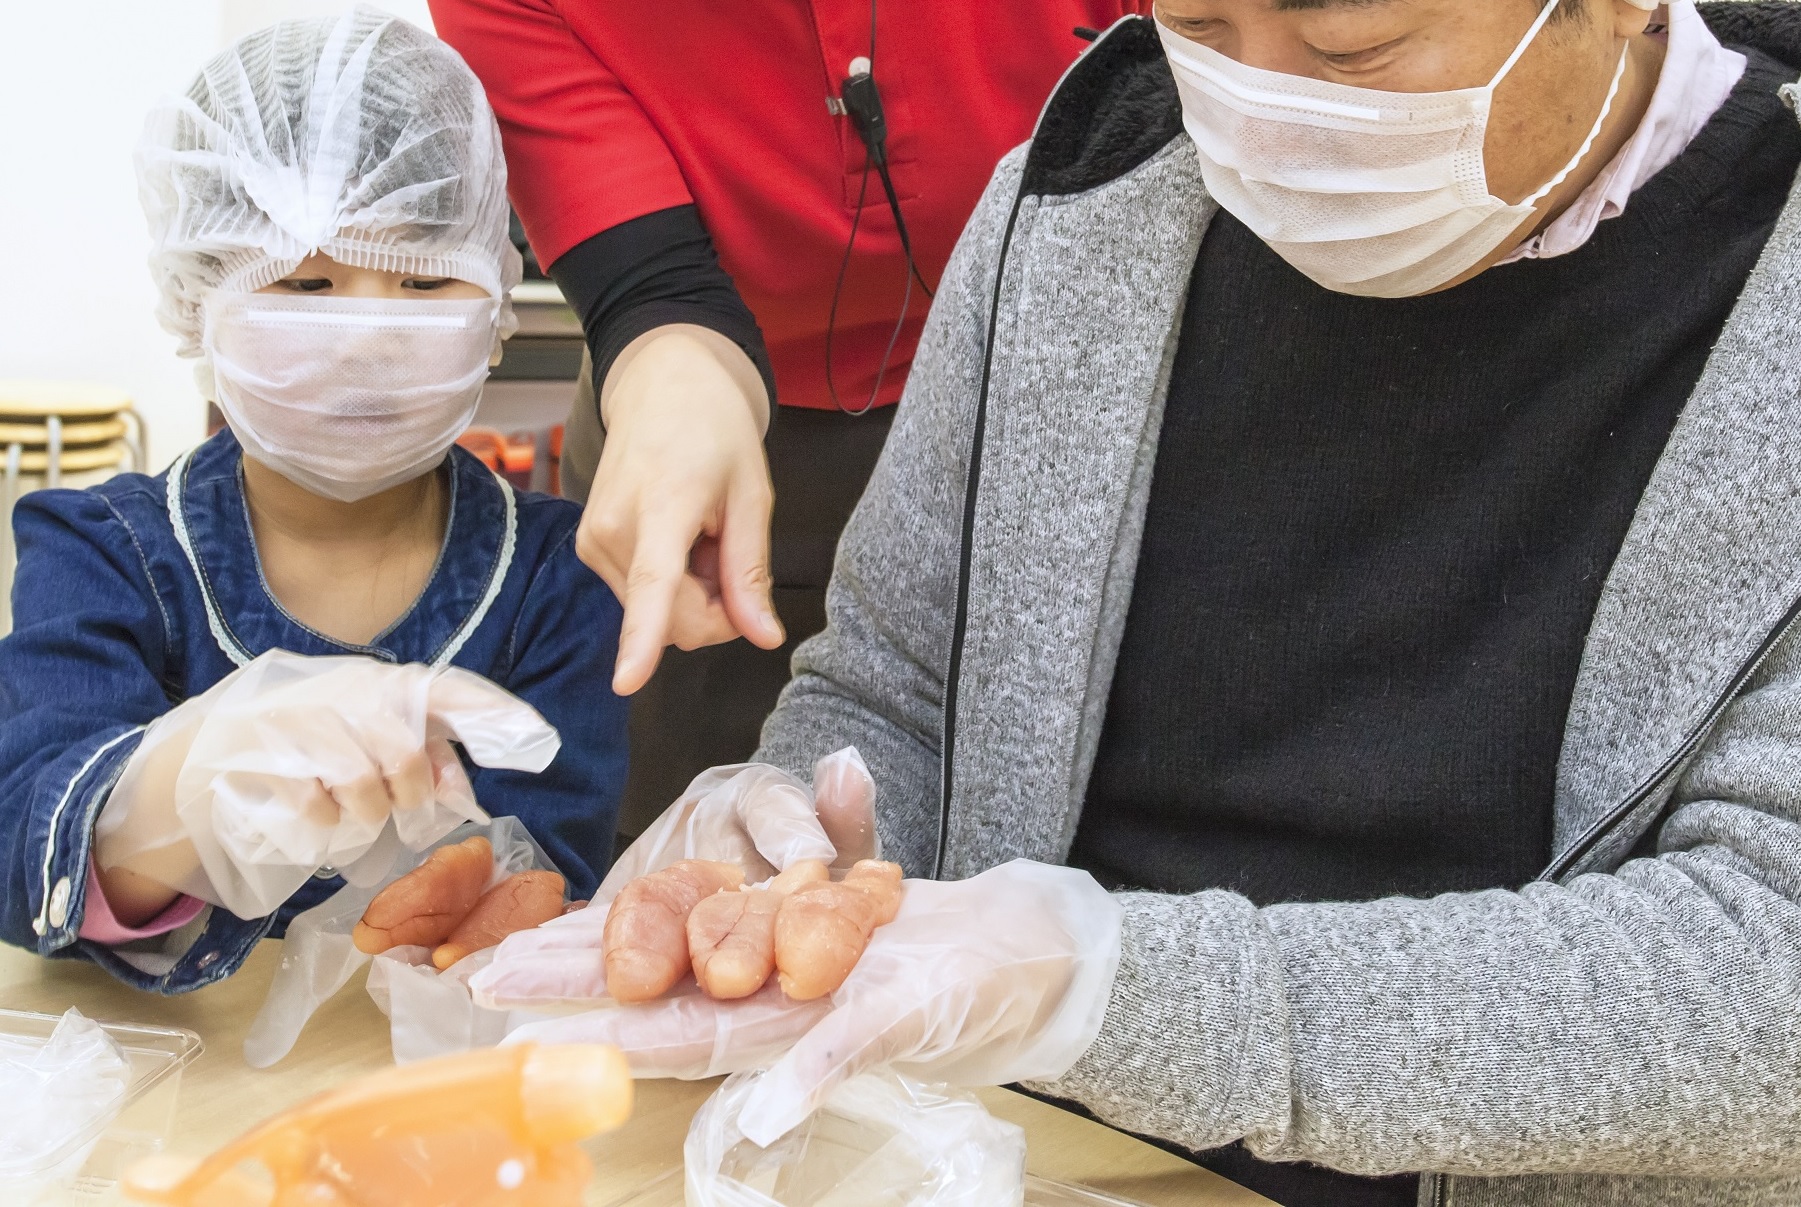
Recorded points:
(1377, 534)
(650, 272)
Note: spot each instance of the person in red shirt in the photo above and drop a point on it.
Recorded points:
(689, 174)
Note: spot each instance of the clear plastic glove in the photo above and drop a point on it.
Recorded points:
(293, 764)
(752, 814)
(319, 956)
(687, 1035)
(1001, 978)
(430, 1013)
(762, 819)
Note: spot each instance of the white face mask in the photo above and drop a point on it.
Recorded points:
(348, 396)
(1380, 194)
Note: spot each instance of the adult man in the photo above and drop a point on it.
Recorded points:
(1419, 625)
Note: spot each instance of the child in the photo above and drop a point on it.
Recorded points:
(328, 214)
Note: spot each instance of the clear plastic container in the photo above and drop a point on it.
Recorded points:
(880, 1140)
(135, 1124)
(668, 1190)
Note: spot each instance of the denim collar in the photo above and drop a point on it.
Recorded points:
(212, 524)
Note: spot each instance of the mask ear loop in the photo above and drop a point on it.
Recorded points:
(1526, 42)
(1619, 74)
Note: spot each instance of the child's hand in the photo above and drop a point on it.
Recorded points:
(292, 764)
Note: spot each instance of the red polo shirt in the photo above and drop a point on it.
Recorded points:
(613, 109)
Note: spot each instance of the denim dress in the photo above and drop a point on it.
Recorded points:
(136, 595)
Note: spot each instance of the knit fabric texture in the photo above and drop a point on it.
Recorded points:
(1621, 1031)
(1370, 563)
(1371, 558)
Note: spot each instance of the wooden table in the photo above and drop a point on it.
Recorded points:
(221, 1096)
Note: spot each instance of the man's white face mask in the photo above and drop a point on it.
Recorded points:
(348, 396)
(1380, 194)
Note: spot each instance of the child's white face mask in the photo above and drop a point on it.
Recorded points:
(348, 397)
(1380, 194)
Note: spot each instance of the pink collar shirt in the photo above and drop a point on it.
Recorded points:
(1698, 76)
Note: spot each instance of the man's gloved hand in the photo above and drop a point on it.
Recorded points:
(762, 819)
(751, 814)
(293, 764)
(1001, 978)
(687, 1035)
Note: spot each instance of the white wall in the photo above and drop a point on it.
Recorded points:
(244, 16)
(75, 82)
(75, 297)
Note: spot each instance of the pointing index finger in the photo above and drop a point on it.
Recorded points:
(658, 564)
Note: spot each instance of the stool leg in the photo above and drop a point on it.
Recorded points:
(137, 442)
(53, 471)
(15, 452)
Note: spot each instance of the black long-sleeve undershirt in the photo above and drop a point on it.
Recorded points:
(650, 272)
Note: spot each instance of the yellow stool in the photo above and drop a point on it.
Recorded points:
(59, 433)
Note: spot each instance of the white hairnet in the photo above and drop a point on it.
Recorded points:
(362, 137)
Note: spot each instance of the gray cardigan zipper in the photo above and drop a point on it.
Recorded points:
(1438, 1188)
(972, 484)
(1673, 765)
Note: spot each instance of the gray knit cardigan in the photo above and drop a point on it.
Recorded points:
(1627, 1030)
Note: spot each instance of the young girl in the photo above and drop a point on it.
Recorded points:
(328, 214)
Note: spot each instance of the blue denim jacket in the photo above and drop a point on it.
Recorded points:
(136, 595)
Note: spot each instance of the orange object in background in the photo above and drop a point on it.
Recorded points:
(553, 484)
(485, 443)
(491, 1128)
(515, 456)
(518, 457)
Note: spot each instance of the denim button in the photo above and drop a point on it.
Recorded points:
(59, 902)
(325, 873)
(207, 960)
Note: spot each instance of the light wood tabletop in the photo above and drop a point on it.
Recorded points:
(221, 1096)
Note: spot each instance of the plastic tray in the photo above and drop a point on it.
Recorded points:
(134, 1125)
(668, 1190)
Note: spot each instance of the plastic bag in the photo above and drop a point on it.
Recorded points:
(73, 1081)
(431, 1013)
(881, 1140)
(248, 764)
(318, 958)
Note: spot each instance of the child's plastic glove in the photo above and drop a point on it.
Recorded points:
(291, 764)
(988, 981)
(752, 814)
